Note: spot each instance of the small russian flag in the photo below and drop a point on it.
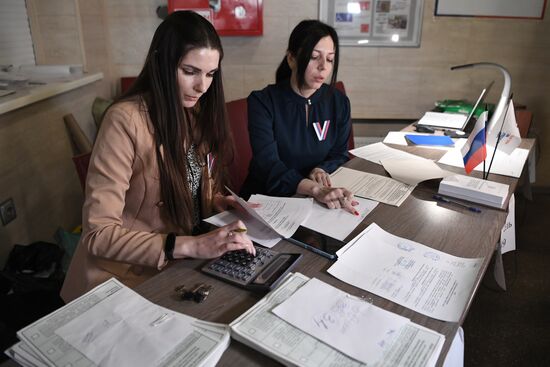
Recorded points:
(474, 151)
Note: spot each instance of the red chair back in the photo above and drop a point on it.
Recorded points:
(81, 163)
(126, 82)
(237, 112)
(351, 144)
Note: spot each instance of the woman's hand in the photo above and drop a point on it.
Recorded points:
(215, 243)
(320, 176)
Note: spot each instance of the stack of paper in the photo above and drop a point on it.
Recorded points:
(442, 119)
(278, 217)
(475, 189)
(113, 326)
(332, 329)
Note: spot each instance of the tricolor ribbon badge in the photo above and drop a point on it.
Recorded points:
(210, 159)
(321, 132)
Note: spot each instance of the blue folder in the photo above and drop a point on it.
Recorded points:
(429, 140)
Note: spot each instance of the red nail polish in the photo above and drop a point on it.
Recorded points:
(356, 213)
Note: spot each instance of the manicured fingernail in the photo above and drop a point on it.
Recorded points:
(356, 213)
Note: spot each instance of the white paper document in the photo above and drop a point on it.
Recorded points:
(338, 223)
(503, 164)
(262, 330)
(371, 186)
(349, 324)
(414, 171)
(113, 326)
(508, 232)
(283, 215)
(257, 231)
(423, 279)
(442, 119)
(379, 151)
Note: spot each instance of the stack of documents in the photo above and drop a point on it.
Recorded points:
(332, 328)
(279, 217)
(113, 326)
(442, 119)
(475, 189)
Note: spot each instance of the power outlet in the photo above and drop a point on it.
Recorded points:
(7, 211)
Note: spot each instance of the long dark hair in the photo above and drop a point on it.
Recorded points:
(302, 40)
(157, 88)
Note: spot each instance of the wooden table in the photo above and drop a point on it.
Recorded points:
(448, 228)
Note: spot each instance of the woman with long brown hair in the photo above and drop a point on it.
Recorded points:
(158, 165)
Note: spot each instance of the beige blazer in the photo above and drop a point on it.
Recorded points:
(123, 221)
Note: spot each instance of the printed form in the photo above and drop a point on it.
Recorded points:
(261, 329)
(370, 186)
(83, 333)
(423, 279)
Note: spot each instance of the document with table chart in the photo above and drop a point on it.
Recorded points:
(261, 329)
(423, 279)
(84, 332)
(370, 186)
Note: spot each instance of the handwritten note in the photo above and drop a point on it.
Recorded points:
(350, 324)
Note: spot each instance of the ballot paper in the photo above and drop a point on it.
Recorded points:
(413, 171)
(283, 215)
(262, 330)
(423, 279)
(83, 333)
(352, 325)
(370, 186)
(379, 151)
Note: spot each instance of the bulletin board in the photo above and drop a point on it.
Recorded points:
(533, 9)
(390, 23)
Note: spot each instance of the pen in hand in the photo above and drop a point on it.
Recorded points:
(449, 201)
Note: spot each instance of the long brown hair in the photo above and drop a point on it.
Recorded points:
(158, 89)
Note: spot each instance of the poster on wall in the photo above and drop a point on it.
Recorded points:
(392, 23)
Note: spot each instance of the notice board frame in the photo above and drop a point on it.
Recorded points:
(514, 9)
(378, 23)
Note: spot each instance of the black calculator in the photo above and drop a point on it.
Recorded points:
(261, 272)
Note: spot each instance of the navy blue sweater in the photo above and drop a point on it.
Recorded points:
(287, 144)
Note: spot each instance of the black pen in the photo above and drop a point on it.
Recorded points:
(311, 248)
(449, 201)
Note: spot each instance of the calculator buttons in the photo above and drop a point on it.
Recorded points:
(260, 272)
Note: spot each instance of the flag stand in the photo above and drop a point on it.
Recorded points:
(486, 176)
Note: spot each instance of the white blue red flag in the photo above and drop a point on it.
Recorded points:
(321, 132)
(475, 151)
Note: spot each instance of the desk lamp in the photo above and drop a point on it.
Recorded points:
(502, 105)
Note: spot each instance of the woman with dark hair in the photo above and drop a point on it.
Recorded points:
(299, 127)
(158, 165)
